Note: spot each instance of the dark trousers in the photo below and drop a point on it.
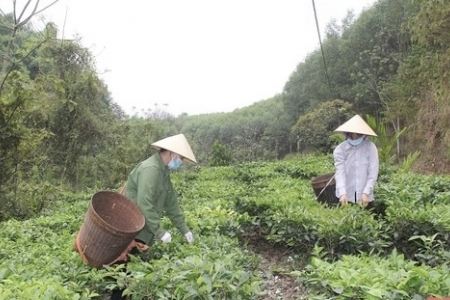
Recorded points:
(370, 205)
(117, 293)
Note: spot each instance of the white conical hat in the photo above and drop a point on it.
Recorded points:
(177, 144)
(356, 125)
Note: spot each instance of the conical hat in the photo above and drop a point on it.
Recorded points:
(177, 144)
(356, 125)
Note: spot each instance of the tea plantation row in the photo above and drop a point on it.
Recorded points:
(397, 252)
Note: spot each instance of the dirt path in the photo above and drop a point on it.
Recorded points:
(276, 263)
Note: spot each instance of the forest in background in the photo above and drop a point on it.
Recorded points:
(61, 129)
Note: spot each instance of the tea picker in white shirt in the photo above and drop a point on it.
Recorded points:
(356, 162)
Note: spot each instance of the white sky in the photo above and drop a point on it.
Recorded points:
(198, 56)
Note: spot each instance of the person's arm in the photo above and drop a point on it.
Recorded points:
(175, 214)
(340, 176)
(372, 175)
(149, 188)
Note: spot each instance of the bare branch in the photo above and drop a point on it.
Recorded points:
(51, 4)
(14, 12)
(64, 26)
(35, 11)
(25, 8)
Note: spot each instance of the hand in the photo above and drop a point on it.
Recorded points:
(189, 237)
(364, 200)
(166, 238)
(343, 200)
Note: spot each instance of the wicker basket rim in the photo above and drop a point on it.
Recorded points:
(114, 229)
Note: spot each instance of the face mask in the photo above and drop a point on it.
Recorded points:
(356, 142)
(175, 163)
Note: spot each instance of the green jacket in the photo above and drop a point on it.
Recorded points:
(150, 187)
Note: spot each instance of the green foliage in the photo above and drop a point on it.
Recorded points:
(210, 275)
(432, 76)
(435, 13)
(417, 206)
(220, 155)
(384, 142)
(432, 250)
(213, 267)
(313, 130)
(401, 253)
(107, 164)
(53, 110)
(362, 55)
(373, 277)
(21, 144)
(257, 132)
(408, 162)
(83, 121)
(28, 200)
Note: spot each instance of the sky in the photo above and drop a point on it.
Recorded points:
(197, 56)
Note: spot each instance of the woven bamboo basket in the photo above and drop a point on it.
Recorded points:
(111, 223)
(325, 189)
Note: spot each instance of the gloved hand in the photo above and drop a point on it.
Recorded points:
(189, 237)
(166, 238)
(343, 200)
(364, 200)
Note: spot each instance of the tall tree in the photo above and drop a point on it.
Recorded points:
(19, 97)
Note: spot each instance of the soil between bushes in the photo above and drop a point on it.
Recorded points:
(276, 264)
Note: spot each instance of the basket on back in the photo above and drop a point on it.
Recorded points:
(325, 189)
(110, 225)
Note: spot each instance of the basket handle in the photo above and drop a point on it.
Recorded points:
(325, 186)
(122, 190)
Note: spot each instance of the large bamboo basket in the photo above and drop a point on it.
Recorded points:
(325, 189)
(111, 223)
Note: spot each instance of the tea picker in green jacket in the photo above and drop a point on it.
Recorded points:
(150, 187)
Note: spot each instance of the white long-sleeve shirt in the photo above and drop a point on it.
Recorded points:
(356, 169)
